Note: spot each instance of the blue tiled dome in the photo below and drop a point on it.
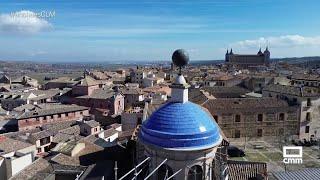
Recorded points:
(180, 126)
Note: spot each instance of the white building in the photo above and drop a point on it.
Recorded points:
(14, 156)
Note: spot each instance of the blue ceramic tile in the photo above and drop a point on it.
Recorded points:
(180, 125)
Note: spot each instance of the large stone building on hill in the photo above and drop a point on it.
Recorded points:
(248, 60)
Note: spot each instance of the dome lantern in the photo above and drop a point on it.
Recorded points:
(180, 87)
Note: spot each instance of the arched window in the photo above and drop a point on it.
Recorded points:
(164, 171)
(195, 173)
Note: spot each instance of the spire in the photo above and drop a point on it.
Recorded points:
(231, 51)
(227, 52)
(260, 52)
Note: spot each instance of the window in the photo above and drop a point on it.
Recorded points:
(281, 117)
(259, 132)
(195, 173)
(237, 118)
(215, 118)
(44, 141)
(164, 171)
(59, 115)
(39, 150)
(309, 102)
(237, 134)
(260, 117)
(281, 131)
(139, 120)
(308, 116)
(307, 129)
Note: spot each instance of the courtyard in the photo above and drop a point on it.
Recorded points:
(271, 153)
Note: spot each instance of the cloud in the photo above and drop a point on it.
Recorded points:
(23, 22)
(280, 41)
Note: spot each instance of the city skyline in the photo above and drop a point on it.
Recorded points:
(149, 30)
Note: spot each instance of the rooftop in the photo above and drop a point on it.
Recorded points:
(8, 145)
(50, 110)
(88, 81)
(226, 92)
(66, 160)
(293, 90)
(244, 103)
(41, 134)
(100, 94)
(308, 173)
(92, 123)
(310, 77)
(39, 165)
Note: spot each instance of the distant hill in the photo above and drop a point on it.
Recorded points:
(312, 60)
(294, 60)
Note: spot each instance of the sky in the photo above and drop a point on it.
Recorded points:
(135, 30)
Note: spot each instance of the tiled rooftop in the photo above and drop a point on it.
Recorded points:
(50, 110)
(8, 145)
(293, 90)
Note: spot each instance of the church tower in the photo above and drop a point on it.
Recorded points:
(266, 56)
(227, 56)
(181, 138)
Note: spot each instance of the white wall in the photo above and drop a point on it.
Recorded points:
(3, 172)
(17, 164)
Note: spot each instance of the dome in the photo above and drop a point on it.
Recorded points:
(182, 126)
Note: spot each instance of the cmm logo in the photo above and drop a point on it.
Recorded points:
(292, 154)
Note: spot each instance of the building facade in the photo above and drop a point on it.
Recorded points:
(308, 101)
(248, 60)
(52, 114)
(255, 117)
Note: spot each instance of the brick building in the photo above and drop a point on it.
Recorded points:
(101, 99)
(50, 114)
(86, 86)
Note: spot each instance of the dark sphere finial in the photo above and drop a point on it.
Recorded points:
(180, 58)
